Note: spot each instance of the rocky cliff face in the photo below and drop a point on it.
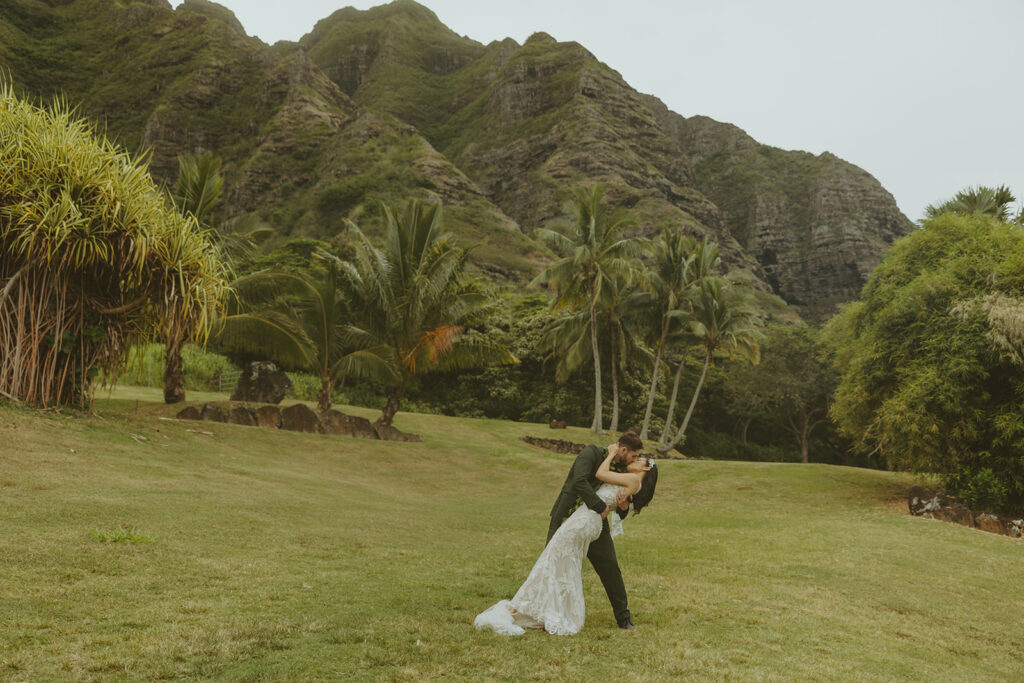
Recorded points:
(390, 103)
(817, 225)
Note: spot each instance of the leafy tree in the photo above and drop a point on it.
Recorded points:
(302, 323)
(792, 384)
(594, 253)
(922, 381)
(723, 321)
(985, 201)
(412, 298)
(92, 259)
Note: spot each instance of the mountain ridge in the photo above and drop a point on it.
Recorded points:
(389, 102)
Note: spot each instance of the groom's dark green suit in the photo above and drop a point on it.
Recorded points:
(582, 484)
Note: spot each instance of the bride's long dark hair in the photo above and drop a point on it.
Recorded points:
(642, 498)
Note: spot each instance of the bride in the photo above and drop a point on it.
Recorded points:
(552, 595)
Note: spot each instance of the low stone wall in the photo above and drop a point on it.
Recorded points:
(556, 445)
(942, 506)
(297, 418)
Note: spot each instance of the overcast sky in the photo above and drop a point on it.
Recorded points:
(926, 95)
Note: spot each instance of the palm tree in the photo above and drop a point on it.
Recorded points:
(593, 252)
(412, 298)
(195, 194)
(987, 201)
(302, 323)
(683, 339)
(622, 308)
(566, 338)
(722, 321)
(667, 283)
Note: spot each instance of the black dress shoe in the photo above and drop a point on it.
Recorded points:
(627, 624)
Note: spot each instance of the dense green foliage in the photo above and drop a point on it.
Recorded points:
(92, 256)
(203, 370)
(922, 382)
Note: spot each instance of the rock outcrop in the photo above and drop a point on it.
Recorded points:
(940, 505)
(297, 417)
(261, 382)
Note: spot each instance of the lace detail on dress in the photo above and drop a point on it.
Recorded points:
(552, 595)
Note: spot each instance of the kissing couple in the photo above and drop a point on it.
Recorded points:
(551, 598)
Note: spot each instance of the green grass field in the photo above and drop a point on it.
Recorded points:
(139, 548)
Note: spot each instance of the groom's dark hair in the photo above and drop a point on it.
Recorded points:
(631, 441)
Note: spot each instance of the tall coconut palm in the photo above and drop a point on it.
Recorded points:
(567, 339)
(673, 254)
(593, 252)
(412, 298)
(195, 194)
(724, 322)
(622, 309)
(302, 323)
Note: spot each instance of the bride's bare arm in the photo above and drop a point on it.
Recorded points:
(630, 481)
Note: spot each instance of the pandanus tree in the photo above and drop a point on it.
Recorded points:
(303, 322)
(195, 194)
(412, 297)
(92, 257)
(724, 322)
(593, 253)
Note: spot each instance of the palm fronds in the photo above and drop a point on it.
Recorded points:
(91, 256)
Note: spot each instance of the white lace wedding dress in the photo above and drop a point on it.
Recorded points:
(552, 595)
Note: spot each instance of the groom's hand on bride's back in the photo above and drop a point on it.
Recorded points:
(622, 499)
(607, 510)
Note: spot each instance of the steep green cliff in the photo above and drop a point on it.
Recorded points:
(390, 103)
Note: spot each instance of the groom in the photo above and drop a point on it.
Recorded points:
(580, 487)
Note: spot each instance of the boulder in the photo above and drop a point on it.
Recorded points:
(213, 412)
(300, 418)
(958, 513)
(336, 422)
(390, 433)
(189, 413)
(268, 416)
(990, 523)
(261, 382)
(241, 415)
(921, 500)
(1015, 527)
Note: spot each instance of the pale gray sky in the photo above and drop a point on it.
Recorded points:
(925, 95)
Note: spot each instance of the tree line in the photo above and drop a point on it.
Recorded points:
(924, 372)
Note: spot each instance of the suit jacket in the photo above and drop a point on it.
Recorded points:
(582, 483)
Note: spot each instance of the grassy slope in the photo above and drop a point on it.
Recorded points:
(288, 556)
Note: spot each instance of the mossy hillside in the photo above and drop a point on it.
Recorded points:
(298, 155)
(511, 125)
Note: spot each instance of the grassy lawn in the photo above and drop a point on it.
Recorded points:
(140, 548)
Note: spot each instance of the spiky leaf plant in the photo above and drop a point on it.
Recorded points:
(92, 256)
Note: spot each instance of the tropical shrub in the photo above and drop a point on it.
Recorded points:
(923, 380)
(92, 257)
